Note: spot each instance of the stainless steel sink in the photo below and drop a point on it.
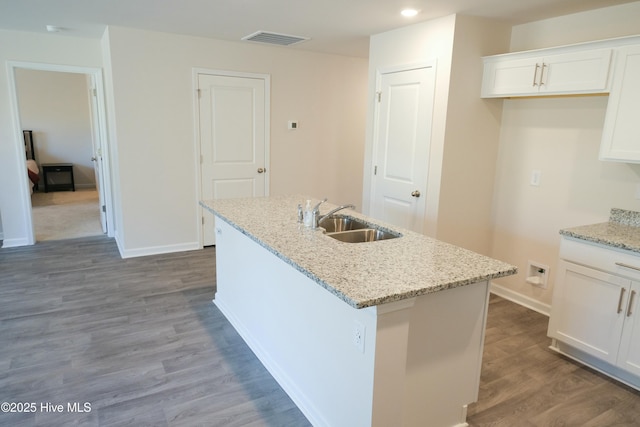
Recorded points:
(337, 223)
(363, 235)
(351, 230)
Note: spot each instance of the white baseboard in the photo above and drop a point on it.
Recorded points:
(13, 243)
(521, 299)
(157, 250)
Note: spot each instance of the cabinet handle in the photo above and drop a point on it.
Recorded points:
(622, 264)
(542, 73)
(535, 76)
(633, 294)
(622, 290)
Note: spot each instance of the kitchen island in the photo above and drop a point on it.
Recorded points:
(384, 333)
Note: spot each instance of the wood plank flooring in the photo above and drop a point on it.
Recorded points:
(141, 342)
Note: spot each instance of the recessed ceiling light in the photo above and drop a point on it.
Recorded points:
(409, 13)
(54, 28)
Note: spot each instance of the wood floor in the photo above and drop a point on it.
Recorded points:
(141, 342)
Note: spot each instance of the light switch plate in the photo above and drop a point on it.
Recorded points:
(535, 177)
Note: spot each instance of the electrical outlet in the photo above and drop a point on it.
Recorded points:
(358, 335)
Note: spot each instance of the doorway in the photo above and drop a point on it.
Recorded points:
(63, 106)
(233, 130)
(402, 139)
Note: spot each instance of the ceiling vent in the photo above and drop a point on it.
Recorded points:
(274, 38)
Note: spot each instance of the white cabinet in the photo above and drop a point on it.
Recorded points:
(621, 133)
(595, 309)
(629, 356)
(546, 73)
(587, 311)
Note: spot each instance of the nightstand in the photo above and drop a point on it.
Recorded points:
(58, 177)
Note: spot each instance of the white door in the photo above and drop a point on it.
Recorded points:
(97, 157)
(402, 140)
(233, 139)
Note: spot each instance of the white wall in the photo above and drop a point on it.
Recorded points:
(28, 47)
(471, 138)
(151, 111)
(560, 137)
(55, 105)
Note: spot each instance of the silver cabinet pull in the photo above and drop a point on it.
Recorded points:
(415, 193)
(262, 170)
(622, 264)
(633, 294)
(535, 76)
(622, 291)
(542, 73)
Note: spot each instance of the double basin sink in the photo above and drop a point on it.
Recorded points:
(351, 230)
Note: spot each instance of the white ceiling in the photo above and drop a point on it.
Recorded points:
(334, 26)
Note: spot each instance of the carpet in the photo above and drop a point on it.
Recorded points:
(66, 214)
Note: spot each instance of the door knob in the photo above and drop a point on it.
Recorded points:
(415, 193)
(262, 170)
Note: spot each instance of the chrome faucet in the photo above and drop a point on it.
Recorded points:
(317, 219)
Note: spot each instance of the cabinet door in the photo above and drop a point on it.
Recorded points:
(621, 133)
(510, 77)
(629, 357)
(570, 73)
(575, 73)
(588, 310)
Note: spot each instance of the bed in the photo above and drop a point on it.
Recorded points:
(33, 172)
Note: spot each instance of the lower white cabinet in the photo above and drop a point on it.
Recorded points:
(595, 314)
(629, 354)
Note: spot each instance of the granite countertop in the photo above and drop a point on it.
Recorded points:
(622, 231)
(361, 274)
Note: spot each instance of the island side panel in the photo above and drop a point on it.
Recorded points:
(444, 360)
(300, 332)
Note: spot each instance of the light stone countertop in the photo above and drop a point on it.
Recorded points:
(361, 274)
(622, 231)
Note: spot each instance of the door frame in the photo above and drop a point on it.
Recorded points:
(96, 77)
(196, 72)
(376, 127)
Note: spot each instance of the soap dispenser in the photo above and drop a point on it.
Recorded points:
(308, 214)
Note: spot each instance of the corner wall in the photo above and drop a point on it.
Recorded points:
(560, 137)
(426, 41)
(471, 139)
(465, 128)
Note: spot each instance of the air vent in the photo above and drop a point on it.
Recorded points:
(274, 38)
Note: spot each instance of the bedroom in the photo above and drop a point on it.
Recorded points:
(55, 108)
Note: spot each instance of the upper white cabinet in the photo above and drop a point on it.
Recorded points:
(546, 72)
(621, 133)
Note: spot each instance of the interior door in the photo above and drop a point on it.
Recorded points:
(233, 140)
(402, 141)
(97, 157)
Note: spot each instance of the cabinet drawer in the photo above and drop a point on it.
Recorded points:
(616, 261)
